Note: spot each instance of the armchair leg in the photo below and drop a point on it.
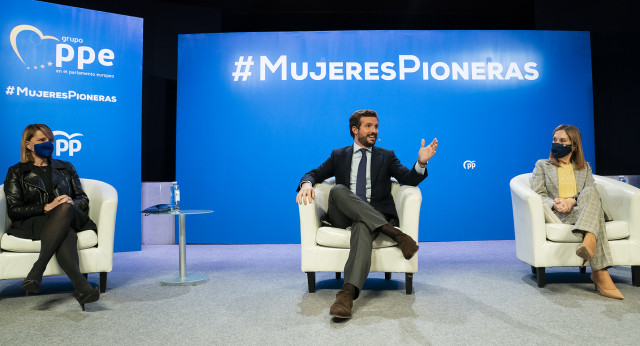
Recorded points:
(103, 282)
(635, 275)
(533, 270)
(583, 270)
(338, 275)
(408, 282)
(311, 280)
(540, 275)
(387, 276)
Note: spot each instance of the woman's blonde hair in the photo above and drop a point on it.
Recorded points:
(577, 155)
(26, 155)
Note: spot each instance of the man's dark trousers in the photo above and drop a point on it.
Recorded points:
(346, 209)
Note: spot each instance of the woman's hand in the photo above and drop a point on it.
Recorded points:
(564, 205)
(57, 201)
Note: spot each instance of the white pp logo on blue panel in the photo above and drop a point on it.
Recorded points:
(67, 144)
(468, 164)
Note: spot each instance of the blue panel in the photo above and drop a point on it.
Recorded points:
(492, 97)
(80, 72)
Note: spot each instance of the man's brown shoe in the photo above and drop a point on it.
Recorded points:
(341, 308)
(407, 245)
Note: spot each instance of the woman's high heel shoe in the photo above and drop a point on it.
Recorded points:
(587, 249)
(609, 293)
(89, 296)
(32, 282)
(31, 285)
(584, 253)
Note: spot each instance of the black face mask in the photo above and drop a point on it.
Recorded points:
(44, 149)
(558, 150)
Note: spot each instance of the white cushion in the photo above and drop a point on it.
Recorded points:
(340, 238)
(561, 233)
(86, 239)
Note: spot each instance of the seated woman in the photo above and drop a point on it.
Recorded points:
(45, 202)
(565, 183)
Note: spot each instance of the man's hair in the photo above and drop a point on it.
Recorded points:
(577, 156)
(26, 155)
(354, 120)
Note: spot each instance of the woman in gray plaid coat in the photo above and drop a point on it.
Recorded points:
(565, 183)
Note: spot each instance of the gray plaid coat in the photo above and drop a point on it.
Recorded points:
(586, 216)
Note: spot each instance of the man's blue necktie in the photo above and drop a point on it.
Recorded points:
(361, 181)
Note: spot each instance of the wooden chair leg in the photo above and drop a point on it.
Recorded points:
(635, 275)
(338, 275)
(387, 276)
(103, 282)
(408, 282)
(311, 280)
(540, 275)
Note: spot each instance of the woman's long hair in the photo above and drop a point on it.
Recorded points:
(577, 155)
(26, 155)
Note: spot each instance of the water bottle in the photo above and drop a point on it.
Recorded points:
(175, 197)
(622, 178)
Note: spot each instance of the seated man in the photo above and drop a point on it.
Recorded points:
(362, 199)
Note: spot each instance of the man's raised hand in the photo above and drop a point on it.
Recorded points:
(427, 152)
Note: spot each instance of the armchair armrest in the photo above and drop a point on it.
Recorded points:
(311, 213)
(4, 219)
(107, 219)
(103, 206)
(528, 217)
(621, 201)
(309, 223)
(408, 200)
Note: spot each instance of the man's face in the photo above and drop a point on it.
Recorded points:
(367, 134)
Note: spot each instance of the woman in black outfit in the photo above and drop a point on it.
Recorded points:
(45, 202)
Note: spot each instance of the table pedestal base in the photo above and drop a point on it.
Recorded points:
(188, 279)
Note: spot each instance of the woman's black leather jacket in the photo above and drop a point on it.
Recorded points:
(26, 194)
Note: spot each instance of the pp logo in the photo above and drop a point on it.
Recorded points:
(469, 164)
(64, 52)
(70, 145)
(38, 56)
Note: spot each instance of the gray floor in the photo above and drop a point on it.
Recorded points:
(465, 293)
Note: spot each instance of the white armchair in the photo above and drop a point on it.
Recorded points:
(325, 249)
(95, 252)
(542, 245)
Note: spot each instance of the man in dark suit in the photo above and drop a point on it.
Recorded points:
(362, 199)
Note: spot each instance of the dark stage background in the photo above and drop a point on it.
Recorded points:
(614, 27)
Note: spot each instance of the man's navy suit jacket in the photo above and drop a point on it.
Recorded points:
(384, 165)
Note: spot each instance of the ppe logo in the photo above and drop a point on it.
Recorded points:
(67, 144)
(469, 164)
(37, 49)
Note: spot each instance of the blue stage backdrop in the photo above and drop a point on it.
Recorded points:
(80, 72)
(258, 110)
